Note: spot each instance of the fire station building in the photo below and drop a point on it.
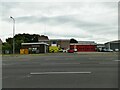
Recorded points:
(84, 46)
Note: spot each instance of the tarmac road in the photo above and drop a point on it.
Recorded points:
(61, 70)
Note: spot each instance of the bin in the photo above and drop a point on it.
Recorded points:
(25, 51)
(21, 51)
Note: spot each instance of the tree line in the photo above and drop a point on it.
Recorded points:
(19, 38)
(23, 38)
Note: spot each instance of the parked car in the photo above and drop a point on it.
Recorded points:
(109, 50)
(75, 50)
(65, 50)
(104, 50)
(116, 50)
(70, 51)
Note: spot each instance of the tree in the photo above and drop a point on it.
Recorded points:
(9, 40)
(20, 38)
(73, 40)
(6, 46)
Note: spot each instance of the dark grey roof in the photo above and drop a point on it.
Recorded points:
(85, 43)
(37, 43)
(116, 41)
(100, 45)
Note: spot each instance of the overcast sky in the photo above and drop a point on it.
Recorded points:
(84, 21)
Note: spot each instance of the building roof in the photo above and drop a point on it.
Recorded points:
(100, 45)
(84, 43)
(43, 37)
(37, 43)
(116, 41)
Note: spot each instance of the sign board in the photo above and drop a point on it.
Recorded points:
(54, 45)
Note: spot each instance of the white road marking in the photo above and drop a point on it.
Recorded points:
(8, 64)
(41, 73)
(116, 60)
(60, 63)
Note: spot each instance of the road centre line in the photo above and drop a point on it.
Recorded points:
(7, 64)
(43, 73)
(63, 63)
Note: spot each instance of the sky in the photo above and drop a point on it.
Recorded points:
(83, 21)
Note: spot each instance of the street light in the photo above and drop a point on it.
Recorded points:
(13, 34)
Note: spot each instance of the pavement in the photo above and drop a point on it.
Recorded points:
(60, 70)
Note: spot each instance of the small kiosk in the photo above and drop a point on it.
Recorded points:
(32, 48)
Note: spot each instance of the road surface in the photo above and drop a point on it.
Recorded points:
(61, 70)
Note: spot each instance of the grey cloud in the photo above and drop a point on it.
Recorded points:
(56, 20)
(110, 4)
(68, 34)
(9, 5)
(69, 20)
(48, 20)
(6, 7)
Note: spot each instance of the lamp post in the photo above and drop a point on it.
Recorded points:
(13, 34)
